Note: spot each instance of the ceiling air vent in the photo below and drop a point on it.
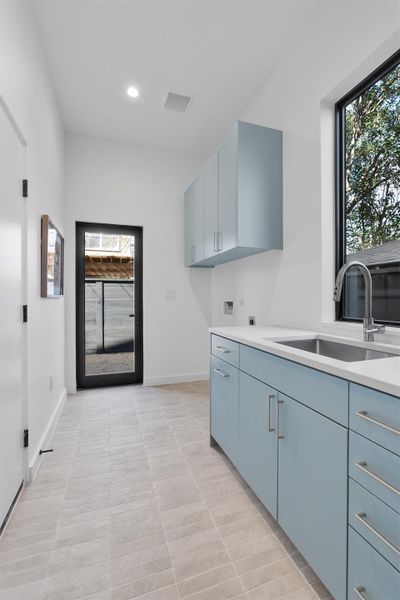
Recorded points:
(178, 101)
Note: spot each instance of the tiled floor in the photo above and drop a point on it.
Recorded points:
(134, 503)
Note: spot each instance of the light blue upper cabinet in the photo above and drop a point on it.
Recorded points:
(194, 222)
(241, 198)
(210, 174)
(227, 180)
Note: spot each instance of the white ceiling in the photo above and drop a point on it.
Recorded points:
(219, 50)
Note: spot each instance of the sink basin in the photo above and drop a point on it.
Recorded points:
(339, 351)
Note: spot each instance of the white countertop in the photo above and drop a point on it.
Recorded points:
(382, 374)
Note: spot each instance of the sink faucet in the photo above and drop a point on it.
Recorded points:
(369, 326)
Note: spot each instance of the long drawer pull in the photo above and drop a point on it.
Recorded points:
(362, 517)
(359, 592)
(222, 349)
(221, 373)
(363, 467)
(364, 415)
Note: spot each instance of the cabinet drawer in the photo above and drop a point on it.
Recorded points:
(324, 393)
(225, 349)
(376, 416)
(225, 407)
(370, 574)
(376, 469)
(375, 521)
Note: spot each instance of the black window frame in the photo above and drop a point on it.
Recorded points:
(340, 173)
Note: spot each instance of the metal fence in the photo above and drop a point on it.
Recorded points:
(109, 322)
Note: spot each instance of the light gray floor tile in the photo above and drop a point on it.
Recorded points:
(133, 503)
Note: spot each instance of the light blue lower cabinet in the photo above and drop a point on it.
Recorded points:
(312, 490)
(258, 451)
(298, 462)
(370, 576)
(224, 383)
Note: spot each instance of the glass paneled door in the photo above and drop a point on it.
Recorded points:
(109, 304)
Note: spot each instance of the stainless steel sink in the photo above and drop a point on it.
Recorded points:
(344, 352)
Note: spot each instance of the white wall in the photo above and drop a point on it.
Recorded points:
(344, 43)
(25, 87)
(108, 182)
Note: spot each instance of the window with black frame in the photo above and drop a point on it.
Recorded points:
(368, 192)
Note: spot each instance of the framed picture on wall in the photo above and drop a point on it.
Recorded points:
(52, 260)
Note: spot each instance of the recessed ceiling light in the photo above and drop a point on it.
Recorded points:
(132, 92)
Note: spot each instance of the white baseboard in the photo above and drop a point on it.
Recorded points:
(34, 463)
(181, 378)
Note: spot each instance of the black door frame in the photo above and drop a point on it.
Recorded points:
(136, 377)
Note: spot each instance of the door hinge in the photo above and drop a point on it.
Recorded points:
(26, 438)
(25, 313)
(25, 188)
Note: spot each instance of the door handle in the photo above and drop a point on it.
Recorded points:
(269, 412)
(280, 436)
(131, 315)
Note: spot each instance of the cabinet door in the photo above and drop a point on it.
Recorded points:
(189, 225)
(224, 406)
(312, 494)
(258, 451)
(198, 218)
(227, 157)
(210, 175)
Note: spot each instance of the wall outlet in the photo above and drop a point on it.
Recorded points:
(252, 321)
(170, 294)
(228, 307)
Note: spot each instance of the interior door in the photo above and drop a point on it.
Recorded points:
(109, 305)
(12, 161)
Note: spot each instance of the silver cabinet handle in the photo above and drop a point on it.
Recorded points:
(222, 349)
(362, 517)
(269, 412)
(364, 415)
(363, 467)
(280, 436)
(359, 592)
(215, 242)
(221, 373)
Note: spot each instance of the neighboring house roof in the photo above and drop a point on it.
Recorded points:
(109, 266)
(384, 254)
